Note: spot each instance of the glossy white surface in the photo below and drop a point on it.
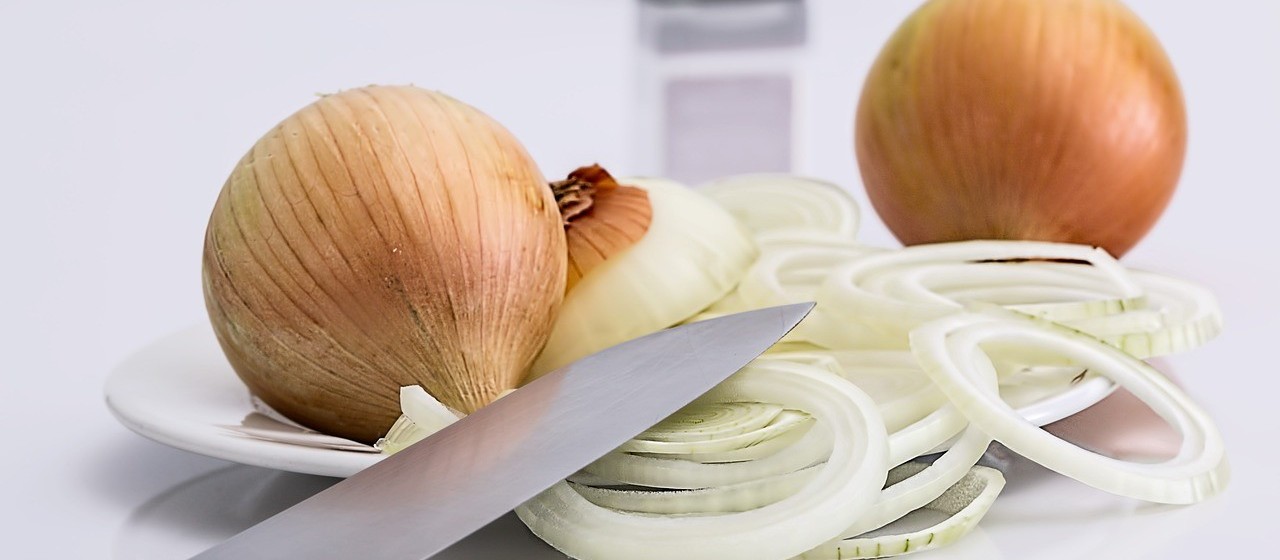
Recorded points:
(180, 391)
(121, 120)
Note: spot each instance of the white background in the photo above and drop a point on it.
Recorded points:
(119, 121)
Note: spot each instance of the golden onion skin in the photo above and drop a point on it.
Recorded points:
(382, 237)
(1055, 120)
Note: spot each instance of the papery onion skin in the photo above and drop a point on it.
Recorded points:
(377, 238)
(601, 218)
(1021, 119)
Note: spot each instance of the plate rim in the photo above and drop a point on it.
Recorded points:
(221, 443)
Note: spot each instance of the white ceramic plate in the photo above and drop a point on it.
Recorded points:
(181, 392)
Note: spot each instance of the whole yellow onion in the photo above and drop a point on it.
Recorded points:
(378, 238)
(1057, 120)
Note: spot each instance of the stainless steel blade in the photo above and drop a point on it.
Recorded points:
(419, 501)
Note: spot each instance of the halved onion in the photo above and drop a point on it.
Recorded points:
(693, 254)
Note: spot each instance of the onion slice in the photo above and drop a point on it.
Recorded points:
(951, 351)
(733, 498)
(1179, 315)
(913, 485)
(792, 275)
(924, 435)
(710, 421)
(658, 472)
(903, 393)
(964, 504)
(752, 452)
(888, 292)
(781, 423)
(769, 241)
(769, 202)
(835, 496)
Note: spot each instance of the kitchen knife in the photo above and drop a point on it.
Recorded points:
(416, 503)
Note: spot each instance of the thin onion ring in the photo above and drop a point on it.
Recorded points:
(949, 351)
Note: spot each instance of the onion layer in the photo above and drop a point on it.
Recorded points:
(772, 203)
(964, 505)
(950, 351)
(829, 502)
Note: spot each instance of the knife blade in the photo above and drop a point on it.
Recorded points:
(418, 502)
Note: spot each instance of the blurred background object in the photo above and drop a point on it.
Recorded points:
(717, 83)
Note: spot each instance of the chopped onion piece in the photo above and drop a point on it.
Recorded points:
(951, 351)
(424, 410)
(421, 416)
